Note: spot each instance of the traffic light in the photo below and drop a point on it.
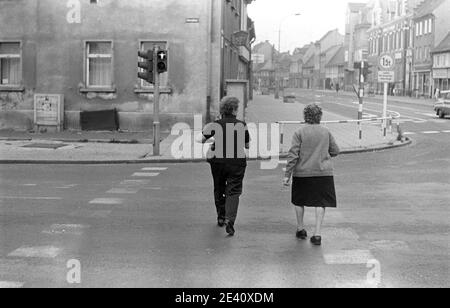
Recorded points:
(367, 71)
(147, 66)
(161, 62)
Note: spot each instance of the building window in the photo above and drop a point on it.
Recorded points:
(99, 64)
(430, 25)
(10, 64)
(164, 77)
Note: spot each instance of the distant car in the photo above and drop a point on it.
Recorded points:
(289, 99)
(442, 108)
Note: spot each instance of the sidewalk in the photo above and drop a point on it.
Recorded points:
(79, 137)
(120, 148)
(265, 109)
(396, 99)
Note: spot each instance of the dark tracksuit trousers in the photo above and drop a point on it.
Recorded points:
(228, 180)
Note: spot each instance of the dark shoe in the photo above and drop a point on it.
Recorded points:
(230, 228)
(221, 222)
(316, 240)
(302, 235)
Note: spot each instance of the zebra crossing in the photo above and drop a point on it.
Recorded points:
(26, 253)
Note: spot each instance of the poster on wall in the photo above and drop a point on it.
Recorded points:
(49, 110)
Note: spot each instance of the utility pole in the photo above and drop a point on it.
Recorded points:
(361, 99)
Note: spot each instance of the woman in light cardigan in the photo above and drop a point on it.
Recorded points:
(311, 168)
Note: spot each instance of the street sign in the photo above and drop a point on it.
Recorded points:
(386, 62)
(386, 76)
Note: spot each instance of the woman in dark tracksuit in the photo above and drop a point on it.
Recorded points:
(311, 167)
(228, 161)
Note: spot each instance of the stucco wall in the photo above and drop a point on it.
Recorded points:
(53, 55)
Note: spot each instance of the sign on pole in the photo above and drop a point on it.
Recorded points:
(386, 75)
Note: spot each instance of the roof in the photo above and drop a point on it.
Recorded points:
(296, 57)
(268, 66)
(327, 34)
(309, 62)
(427, 7)
(444, 45)
(338, 58)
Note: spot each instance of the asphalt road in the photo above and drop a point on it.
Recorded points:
(129, 226)
(416, 119)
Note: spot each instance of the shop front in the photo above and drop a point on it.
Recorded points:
(441, 79)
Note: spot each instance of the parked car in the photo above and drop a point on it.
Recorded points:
(442, 107)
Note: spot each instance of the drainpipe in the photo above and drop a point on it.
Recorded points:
(209, 40)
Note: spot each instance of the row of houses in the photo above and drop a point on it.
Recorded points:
(87, 50)
(416, 33)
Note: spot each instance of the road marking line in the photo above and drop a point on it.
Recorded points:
(389, 245)
(430, 132)
(348, 257)
(30, 198)
(409, 133)
(43, 252)
(124, 191)
(109, 201)
(145, 174)
(134, 182)
(11, 285)
(151, 188)
(67, 186)
(414, 118)
(433, 115)
(446, 131)
(29, 185)
(154, 169)
(72, 229)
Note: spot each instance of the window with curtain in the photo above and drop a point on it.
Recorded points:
(10, 57)
(164, 77)
(99, 64)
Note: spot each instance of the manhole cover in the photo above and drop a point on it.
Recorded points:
(45, 145)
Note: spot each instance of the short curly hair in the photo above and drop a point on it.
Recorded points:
(313, 114)
(229, 105)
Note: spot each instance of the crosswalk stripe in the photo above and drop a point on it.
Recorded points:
(11, 285)
(124, 191)
(145, 174)
(109, 201)
(72, 229)
(154, 169)
(43, 252)
(134, 182)
(348, 257)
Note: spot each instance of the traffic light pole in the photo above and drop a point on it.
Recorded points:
(361, 99)
(156, 121)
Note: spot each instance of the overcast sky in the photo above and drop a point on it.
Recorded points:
(318, 17)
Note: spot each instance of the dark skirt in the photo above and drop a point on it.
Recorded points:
(314, 192)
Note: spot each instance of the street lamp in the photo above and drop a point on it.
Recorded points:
(277, 90)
